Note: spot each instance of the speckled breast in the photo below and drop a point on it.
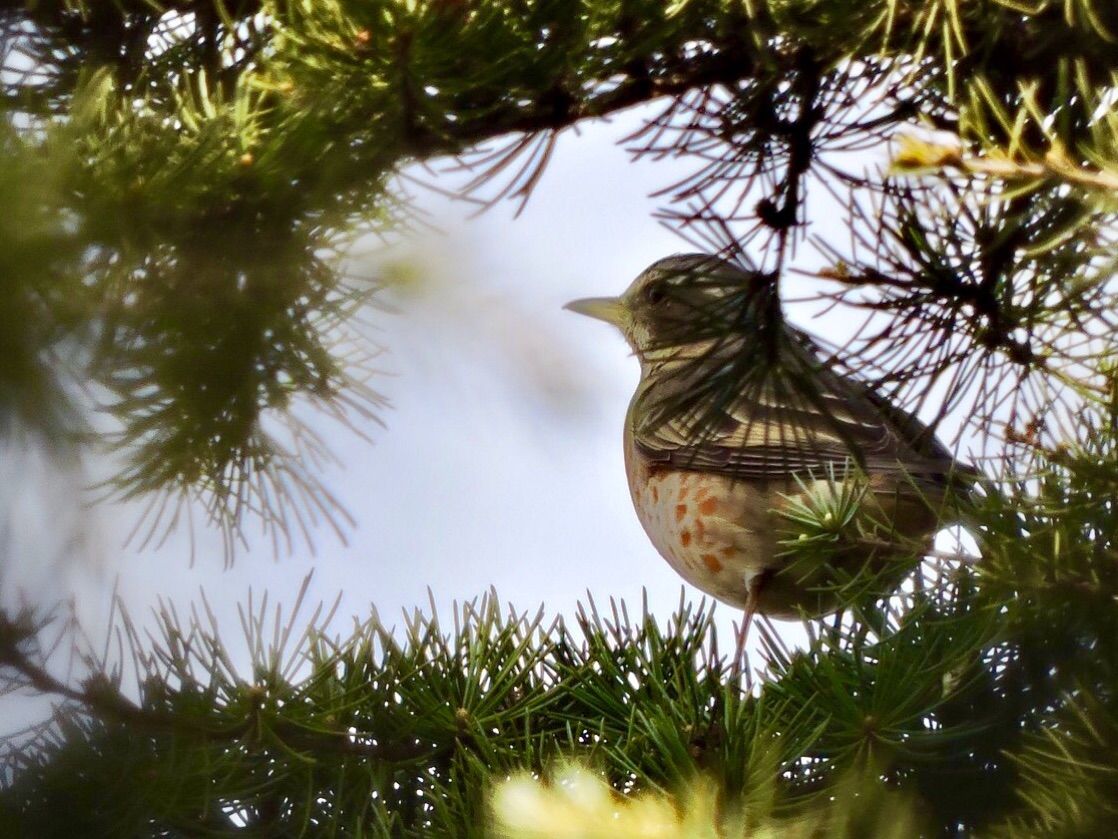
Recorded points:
(720, 534)
(716, 534)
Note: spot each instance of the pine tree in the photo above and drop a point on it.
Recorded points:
(179, 184)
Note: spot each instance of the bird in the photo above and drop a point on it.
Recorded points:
(739, 422)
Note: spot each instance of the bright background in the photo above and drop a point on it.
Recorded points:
(500, 464)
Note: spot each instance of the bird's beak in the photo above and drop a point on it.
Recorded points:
(610, 309)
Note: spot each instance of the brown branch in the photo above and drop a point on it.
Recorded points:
(557, 112)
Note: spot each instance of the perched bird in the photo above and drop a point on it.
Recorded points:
(738, 422)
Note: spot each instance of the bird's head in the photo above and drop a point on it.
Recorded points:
(676, 302)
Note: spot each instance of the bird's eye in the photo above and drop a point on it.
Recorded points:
(655, 294)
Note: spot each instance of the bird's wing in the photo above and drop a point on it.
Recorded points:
(806, 419)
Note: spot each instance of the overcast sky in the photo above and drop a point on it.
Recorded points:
(500, 463)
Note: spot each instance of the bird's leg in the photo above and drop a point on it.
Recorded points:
(753, 587)
(752, 597)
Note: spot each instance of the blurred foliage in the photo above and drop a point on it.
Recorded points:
(41, 288)
(179, 186)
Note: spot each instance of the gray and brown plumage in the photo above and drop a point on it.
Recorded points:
(736, 418)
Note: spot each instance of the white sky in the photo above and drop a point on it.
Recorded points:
(501, 463)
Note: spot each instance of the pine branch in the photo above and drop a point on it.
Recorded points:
(916, 156)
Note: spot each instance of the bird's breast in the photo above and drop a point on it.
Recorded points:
(714, 532)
